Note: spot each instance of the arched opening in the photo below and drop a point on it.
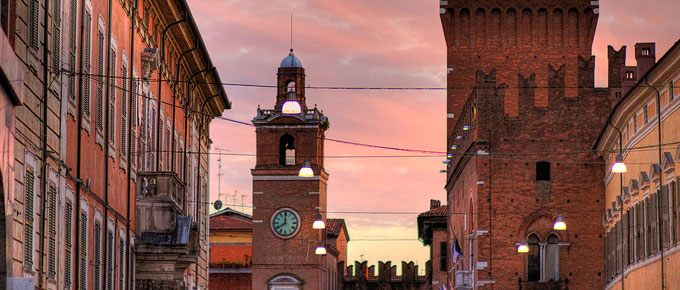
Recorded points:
(534, 259)
(287, 150)
(284, 282)
(552, 258)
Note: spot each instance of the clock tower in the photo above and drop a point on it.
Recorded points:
(285, 204)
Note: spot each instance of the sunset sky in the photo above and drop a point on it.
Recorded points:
(376, 43)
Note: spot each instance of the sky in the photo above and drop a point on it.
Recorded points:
(377, 43)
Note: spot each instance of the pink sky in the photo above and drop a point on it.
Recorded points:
(374, 43)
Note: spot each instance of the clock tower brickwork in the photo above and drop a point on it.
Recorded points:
(284, 142)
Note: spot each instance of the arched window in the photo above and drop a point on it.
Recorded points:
(284, 282)
(287, 150)
(290, 87)
(534, 259)
(552, 258)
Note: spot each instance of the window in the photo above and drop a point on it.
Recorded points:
(123, 112)
(635, 123)
(100, 81)
(168, 146)
(110, 258)
(552, 256)
(665, 214)
(68, 242)
(97, 280)
(87, 47)
(646, 51)
(630, 75)
(121, 261)
(52, 232)
(83, 251)
(112, 97)
(161, 141)
(618, 95)
(443, 253)
(33, 23)
(646, 114)
(72, 49)
(56, 35)
(671, 93)
(287, 150)
(542, 171)
(533, 260)
(29, 198)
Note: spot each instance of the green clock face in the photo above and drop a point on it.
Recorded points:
(285, 223)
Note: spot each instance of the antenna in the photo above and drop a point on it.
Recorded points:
(291, 31)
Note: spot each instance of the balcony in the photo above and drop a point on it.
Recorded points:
(464, 280)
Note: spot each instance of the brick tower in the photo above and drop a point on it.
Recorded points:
(284, 204)
(520, 90)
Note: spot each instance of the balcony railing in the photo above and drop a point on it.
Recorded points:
(161, 217)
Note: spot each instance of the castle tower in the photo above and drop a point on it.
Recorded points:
(284, 204)
(520, 90)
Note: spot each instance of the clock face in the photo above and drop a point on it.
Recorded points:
(285, 223)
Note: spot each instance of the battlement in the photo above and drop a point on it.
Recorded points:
(623, 78)
(524, 24)
(364, 276)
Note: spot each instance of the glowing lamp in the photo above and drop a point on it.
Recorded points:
(559, 224)
(306, 170)
(522, 247)
(291, 105)
(454, 147)
(449, 155)
(619, 166)
(320, 250)
(466, 127)
(318, 223)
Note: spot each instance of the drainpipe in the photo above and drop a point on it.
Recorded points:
(160, 88)
(131, 139)
(43, 145)
(623, 273)
(174, 106)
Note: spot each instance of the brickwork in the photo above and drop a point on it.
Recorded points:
(233, 281)
(521, 82)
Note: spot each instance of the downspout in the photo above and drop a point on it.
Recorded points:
(174, 106)
(131, 139)
(79, 121)
(106, 149)
(43, 145)
(623, 270)
(160, 88)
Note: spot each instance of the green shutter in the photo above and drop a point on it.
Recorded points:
(56, 35)
(29, 196)
(33, 22)
(87, 61)
(109, 261)
(97, 256)
(52, 233)
(83, 251)
(68, 243)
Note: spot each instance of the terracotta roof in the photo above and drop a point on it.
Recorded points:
(335, 226)
(230, 219)
(439, 211)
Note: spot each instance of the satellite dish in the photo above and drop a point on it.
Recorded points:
(218, 204)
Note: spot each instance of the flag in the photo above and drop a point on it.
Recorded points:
(455, 249)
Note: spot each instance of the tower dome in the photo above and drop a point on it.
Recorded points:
(291, 60)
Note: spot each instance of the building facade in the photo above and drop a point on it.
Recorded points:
(231, 250)
(520, 90)
(642, 218)
(433, 231)
(110, 182)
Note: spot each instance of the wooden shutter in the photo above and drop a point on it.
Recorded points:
(112, 97)
(72, 49)
(100, 81)
(68, 243)
(56, 35)
(123, 112)
(97, 256)
(29, 195)
(121, 263)
(83, 251)
(109, 260)
(87, 63)
(52, 233)
(33, 23)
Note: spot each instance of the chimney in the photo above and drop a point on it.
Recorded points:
(645, 57)
(435, 204)
(617, 60)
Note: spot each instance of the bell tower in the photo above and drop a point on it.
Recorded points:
(285, 201)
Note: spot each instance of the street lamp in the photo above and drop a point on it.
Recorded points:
(318, 223)
(559, 224)
(320, 250)
(291, 105)
(619, 166)
(306, 170)
(523, 247)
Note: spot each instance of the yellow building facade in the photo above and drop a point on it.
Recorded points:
(642, 216)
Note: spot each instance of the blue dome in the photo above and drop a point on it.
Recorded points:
(291, 60)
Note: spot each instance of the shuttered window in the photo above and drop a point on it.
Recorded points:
(33, 23)
(100, 81)
(112, 97)
(109, 260)
(56, 35)
(83, 252)
(87, 63)
(121, 263)
(72, 49)
(123, 112)
(97, 256)
(29, 192)
(133, 122)
(52, 232)
(68, 243)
